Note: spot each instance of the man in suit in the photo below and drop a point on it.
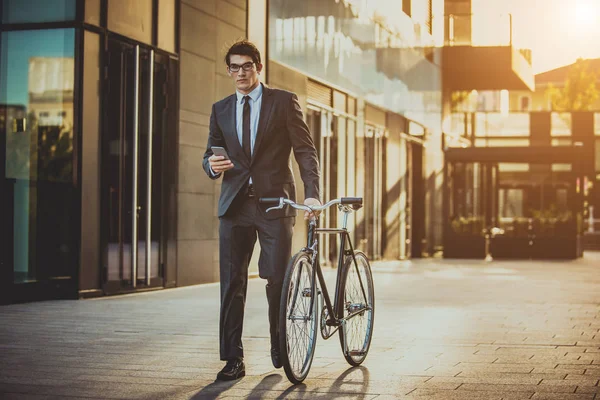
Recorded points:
(259, 127)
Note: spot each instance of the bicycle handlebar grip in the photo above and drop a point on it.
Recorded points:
(352, 200)
(355, 202)
(269, 200)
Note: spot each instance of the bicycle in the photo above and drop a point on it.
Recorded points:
(353, 309)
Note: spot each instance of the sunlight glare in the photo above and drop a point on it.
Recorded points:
(586, 12)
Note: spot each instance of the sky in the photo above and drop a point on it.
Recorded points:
(557, 31)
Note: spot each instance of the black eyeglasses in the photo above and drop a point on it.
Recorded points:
(246, 66)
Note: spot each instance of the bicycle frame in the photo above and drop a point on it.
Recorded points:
(335, 310)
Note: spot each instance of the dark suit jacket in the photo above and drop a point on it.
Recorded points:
(280, 129)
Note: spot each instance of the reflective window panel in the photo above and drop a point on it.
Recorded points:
(22, 11)
(36, 152)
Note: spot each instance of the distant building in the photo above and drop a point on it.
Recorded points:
(539, 100)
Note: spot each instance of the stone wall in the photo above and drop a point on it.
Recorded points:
(208, 28)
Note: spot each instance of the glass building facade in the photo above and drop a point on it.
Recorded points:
(373, 89)
(387, 61)
(104, 119)
(82, 130)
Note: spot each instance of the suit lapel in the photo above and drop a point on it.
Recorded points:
(228, 117)
(263, 120)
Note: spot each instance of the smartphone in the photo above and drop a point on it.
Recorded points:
(220, 151)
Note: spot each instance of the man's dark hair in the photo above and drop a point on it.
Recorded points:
(243, 48)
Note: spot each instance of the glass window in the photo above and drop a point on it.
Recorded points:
(561, 124)
(21, 11)
(510, 203)
(383, 62)
(132, 18)
(36, 91)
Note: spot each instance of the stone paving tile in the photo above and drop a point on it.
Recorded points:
(497, 367)
(561, 396)
(22, 396)
(592, 372)
(505, 387)
(505, 375)
(592, 350)
(588, 389)
(113, 391)
(423, 394)
(500, 379)
(582, 379)
(444, 329)
(565, 370)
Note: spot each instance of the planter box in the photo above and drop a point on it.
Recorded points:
(548, 248)
(459, 246)
(539, 248)
(510, 247)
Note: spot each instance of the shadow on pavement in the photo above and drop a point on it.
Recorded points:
(354, 381)
(301, 388)
(267, 383)
(213, 390)
(343, 386)
(357, 384)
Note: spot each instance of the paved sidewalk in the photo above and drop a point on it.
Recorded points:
(443, 330)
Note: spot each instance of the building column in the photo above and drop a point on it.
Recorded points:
(582, 131)
(540, 128)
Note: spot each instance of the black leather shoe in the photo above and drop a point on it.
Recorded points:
(275, 357)
(234, 369)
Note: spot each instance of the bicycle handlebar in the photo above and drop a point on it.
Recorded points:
(355, 202)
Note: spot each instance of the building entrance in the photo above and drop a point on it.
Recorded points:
(134, 104)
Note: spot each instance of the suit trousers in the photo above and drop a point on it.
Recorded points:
(237, 236)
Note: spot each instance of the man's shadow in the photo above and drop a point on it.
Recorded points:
(214, 390)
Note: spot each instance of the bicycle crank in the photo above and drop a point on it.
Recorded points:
(327, 330)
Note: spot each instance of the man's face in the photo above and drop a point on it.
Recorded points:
(246, 76)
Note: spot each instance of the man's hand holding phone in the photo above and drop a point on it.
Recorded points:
(219, 161)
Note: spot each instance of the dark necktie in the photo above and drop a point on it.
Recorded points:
(246, 128)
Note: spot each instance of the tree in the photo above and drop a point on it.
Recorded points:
(459, 100)
(580, 90)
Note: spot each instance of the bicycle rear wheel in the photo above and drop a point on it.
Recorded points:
(298, 318)
(358, 307)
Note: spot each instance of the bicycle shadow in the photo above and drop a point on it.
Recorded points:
(342, 387)
(214, 390)
(267, 383)
(336, 390)
(218, 388)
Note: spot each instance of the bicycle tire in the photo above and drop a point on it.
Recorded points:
(362, 324)
(298, 281)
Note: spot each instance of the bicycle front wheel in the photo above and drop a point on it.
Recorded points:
(358, 308)
(298, 318)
